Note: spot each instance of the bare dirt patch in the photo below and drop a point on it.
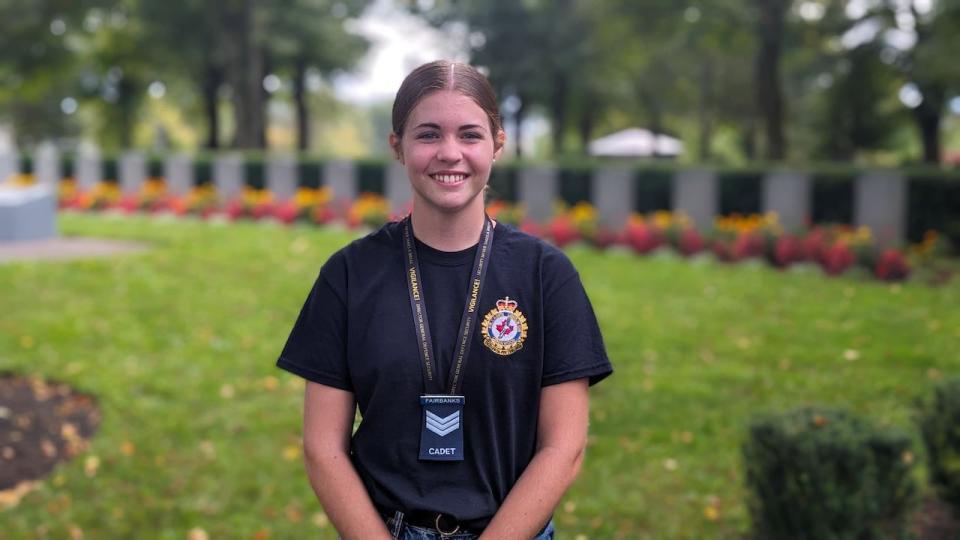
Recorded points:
(41, 424)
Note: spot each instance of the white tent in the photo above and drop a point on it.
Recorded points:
(635, 142)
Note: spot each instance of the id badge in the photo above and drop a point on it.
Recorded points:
(441, 432)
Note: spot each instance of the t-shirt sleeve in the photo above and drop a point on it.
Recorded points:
(316, 348)
(573, 345)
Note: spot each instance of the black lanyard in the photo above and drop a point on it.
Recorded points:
(467, 320)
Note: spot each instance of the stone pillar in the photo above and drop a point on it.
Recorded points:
(397, 188)
(788, 194)
(47, 164)
(282, 176)
(28, 213)
(695, 194)
(178, 171)
(341, 177)
(880, 203)
(9, 165)
(89, 168)
(228, 176)
(537, 190)
(612, 194)
(133, 172)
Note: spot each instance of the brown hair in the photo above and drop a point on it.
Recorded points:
(444, 75)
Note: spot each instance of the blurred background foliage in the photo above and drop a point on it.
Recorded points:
(869, 81)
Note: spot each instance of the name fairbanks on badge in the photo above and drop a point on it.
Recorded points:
(504, 328)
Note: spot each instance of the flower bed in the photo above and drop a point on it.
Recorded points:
(836, 249)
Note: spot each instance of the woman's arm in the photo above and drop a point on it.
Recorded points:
(327, 423)
(561, 440)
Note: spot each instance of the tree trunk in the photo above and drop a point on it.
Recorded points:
(247, 76)
(212, 79)
(769, 92)
(300, 99)
(586, 123)
(706, 99)
(558, 109)
(927, 116)
(518, 125)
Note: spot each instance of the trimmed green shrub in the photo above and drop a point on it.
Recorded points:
(652, 190)
(371, 177)
(933, 203)
(309, 173)
(740, 192)
(824, 474)
(939, 421)
(253, 169)
(503, 183)
(110, 175)
(26, 164)
(155, 168)
(832, 198)
(574, 184)
(202, 171)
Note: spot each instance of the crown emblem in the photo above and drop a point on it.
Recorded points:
(504, 328)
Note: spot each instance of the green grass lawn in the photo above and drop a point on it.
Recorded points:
(201, 430)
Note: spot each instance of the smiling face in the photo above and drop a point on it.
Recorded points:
(448, 149)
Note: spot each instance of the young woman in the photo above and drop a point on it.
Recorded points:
(467, 345)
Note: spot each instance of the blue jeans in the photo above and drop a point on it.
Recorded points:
(412, 532)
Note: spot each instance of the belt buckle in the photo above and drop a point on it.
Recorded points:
(444, 534)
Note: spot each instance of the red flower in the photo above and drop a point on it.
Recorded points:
(642, 238)
(747, 245)
(892, 266)
(786, 251)
(562, 231)
(837, 258)
(690, 242)
(286, 212)
(235, 209)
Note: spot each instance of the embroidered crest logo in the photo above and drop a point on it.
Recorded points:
(504, 328)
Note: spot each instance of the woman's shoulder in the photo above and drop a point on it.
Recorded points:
(367, 252)
(550, 259)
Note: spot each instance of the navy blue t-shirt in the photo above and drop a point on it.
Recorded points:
(356, 332)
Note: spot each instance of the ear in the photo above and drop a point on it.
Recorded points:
(394, 141)
(498, 142)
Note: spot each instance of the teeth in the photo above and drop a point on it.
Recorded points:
(449, 178)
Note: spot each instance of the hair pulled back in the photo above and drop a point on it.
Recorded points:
(444, 75)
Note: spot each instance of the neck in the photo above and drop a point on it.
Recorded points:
(447, 232)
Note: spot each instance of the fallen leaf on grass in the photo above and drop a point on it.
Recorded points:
(226, 391)
(851, 354)
(91, 465)
(569, 507)
(11, 497)
(320, 520)
(76, 533)
(208, 450)
(262, 534)
(291, 453)
(670, 464)
(197, 533)
(127, 448)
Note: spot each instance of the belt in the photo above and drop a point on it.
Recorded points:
(445, 524)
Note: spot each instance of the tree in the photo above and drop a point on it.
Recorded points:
(310, 35)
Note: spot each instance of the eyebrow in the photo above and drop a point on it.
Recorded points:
(431, 125)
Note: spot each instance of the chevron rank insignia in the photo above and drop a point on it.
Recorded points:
(443, 426)
(441, 434)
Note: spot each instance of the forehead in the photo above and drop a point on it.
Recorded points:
(448, 109)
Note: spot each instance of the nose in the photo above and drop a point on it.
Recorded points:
(448, 150)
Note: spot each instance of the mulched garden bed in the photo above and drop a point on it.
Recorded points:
(42, 423)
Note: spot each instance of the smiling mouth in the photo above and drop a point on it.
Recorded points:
(449, 178)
